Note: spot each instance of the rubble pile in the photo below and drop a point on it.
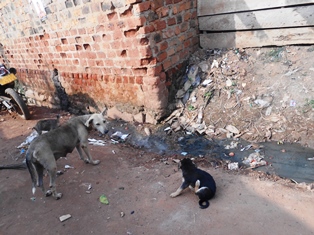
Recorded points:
(235, 93)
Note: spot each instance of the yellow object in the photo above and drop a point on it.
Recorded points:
(7, 79)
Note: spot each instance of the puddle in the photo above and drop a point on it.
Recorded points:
(285, 160)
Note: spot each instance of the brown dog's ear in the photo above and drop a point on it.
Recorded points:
(104, 111)
(88, 122)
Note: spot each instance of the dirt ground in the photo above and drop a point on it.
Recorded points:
(137, 185)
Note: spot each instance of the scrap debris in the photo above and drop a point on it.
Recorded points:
(216, 90)
(64, 217)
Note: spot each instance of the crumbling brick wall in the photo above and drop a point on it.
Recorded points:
(119, 53)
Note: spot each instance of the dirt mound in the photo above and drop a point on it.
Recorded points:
(258, 94)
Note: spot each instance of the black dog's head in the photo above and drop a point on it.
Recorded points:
(186, 164)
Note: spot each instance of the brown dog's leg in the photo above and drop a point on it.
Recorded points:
(90, 159)
(52, 171)
(79, 150)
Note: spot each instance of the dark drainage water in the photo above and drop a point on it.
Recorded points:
(285, 160)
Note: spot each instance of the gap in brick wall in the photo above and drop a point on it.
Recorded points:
(40, 61)
(146, 61)
(104, 35)
(130, 33)
(63, 55)
(123, 53)
(78, 39)
(111, 15)
(41, 37)
(78, 47)
(64, 41)
(87, 47)
(87, 70)
(40, 55)
(144, 41)
(127, 12)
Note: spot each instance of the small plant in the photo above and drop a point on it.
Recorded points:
(191, 108)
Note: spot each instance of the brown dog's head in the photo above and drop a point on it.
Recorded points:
(98, 122)
(186, 164)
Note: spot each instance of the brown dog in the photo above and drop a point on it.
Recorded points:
(46, 149)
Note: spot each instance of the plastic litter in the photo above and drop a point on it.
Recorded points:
(118, 136)
(28, 139)
(64, 217)
(103, 199)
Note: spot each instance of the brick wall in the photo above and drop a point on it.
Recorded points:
(119, 53)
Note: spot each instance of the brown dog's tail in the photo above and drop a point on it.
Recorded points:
(32, 171)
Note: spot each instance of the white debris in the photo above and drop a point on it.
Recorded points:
(206, 82)
(64, 217)
(118, 135)
(96, 142)
(233, 166)
(28, 139)
(255, 160)
(232, 129)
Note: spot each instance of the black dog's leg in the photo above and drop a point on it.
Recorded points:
(201, 193)
(183, 186)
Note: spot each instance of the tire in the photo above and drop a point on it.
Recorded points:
(20, 107)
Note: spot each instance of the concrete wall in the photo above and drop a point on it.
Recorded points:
(119, 53)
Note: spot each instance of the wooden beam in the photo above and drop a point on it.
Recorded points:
(212, 7)
(258, 38)
(274, 18)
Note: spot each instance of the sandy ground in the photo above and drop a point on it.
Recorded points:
(137, 185)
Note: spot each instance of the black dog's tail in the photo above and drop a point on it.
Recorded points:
(32, 171)
(201, 203)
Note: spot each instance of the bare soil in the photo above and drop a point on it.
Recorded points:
(137, 185)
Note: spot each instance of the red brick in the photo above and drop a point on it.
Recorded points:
(154, 71)
(144, 6)
(139, 80)
(102, 18)
(118, 34)
(160, 25)
(147, 29)
(135, 21)
(162, 56)
(101, 55)
(163, 11)
(81, 31)
(132, 1)
(171, 21)
(58, 48)
(145, 52)
(156, 4)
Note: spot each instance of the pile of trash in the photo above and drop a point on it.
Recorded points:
(202, 79)
(220, 96)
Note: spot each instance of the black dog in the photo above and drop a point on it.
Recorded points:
(47, 125)
(203, 183)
